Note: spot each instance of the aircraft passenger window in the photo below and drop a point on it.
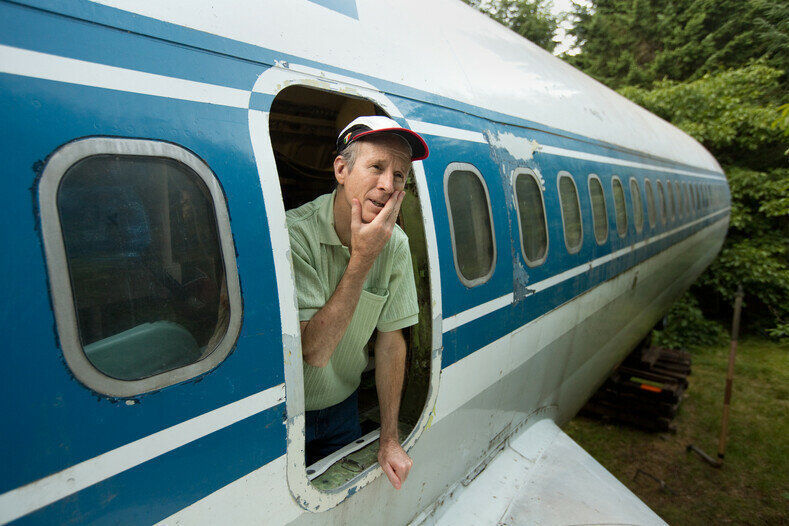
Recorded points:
(151, 295)
(662, 200)
(619, 206)
(694, 197)
(638, 209)
(571, 213)
(531, 218)
(671, 198)
(470, 221)
(599, 212)
(650, 203)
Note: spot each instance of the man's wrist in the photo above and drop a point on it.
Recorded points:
(360, 264)
(389, 438)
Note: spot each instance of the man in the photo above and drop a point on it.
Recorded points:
(353, 277)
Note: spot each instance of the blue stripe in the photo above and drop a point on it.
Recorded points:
(474, 335)
(160, 487)
(344, 7)
(58, 422)
(260, 101)
(417, 110)
(101, 44)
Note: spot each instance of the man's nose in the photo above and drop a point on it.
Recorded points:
(386, 181)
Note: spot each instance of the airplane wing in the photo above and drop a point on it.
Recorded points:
(540, 477)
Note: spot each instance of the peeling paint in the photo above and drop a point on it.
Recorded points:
(518, 147)
(520, 279)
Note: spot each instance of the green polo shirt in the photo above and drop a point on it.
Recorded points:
(388, 301)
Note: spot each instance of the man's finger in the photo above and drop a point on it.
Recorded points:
(383, 215)
(393, 478)
(356, 214)
(396, 200)
(402, 473)
(397, 205)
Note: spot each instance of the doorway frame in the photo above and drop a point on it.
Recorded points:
(266, 89)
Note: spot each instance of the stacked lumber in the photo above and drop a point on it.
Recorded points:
(645, 390)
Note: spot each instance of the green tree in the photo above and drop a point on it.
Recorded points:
(637, 42)
(718, 70)
(732, 114)
(531, 19)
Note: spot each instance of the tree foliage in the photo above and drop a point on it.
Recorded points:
(531, 19)
(731, 114)
(637, 42)
(717, 70)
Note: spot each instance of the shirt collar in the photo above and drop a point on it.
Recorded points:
(326, 232)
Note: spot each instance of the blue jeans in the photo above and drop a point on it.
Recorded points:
(330, 429)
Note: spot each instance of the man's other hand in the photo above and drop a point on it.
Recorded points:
(395, 462)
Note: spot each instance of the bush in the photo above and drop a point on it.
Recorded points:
(685, 326)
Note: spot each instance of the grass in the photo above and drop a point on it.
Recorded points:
(752, 487)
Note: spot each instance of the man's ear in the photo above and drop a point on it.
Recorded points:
(340, 169)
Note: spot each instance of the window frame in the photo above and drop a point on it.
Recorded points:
(671, 196)
(61, 290)
(623, 232)
(637, 224)
(528, 172)
(605, 208)
(651, 206)
(663, 206)
(559, 176)
(467, 167)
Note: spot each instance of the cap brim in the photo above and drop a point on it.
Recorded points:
(418, 145)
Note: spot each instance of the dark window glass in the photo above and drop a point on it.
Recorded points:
(678, 199)
(671, 197)
(145, 263)
(662, 202)
(650, 203)
(599, 213)
(571, 213)
(638, 209)
(471, 224)
(619, 207)
(534, 236)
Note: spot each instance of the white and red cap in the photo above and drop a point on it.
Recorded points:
(368, 125)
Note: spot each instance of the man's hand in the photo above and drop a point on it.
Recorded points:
(368, 239)
(395, 462)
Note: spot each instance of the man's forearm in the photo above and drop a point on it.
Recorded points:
(323, 332)
(389, 372)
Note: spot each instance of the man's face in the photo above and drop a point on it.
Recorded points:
(381, 167)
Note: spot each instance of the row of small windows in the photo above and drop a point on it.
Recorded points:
(471, 224)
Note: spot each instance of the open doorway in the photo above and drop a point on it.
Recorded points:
(304, 123)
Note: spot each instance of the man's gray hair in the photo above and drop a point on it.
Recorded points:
(350, 152)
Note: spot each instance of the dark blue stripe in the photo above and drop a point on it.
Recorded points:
(344, 7)
(472, 336)
(160, 487)
(23, 27)
(58, 422)
(260, 101)
(86, 10)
